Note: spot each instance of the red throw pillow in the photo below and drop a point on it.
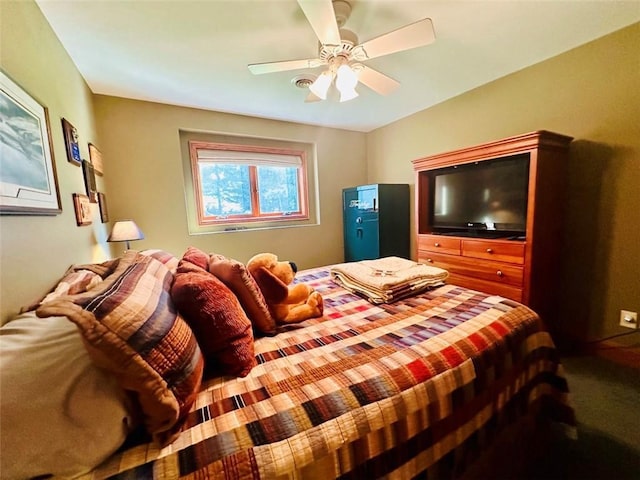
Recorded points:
(217, 319)
(197, 257)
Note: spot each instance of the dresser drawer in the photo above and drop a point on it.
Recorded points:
(507, 291)
(512, 252)
(439, 243)
(447, 262)
(497, 272)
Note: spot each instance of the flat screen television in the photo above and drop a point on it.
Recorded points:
(484, 199)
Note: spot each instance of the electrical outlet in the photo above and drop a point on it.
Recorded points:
(628, 319)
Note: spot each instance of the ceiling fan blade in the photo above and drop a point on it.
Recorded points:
(410, 36)
(271, 67)
(322, 18)
(311, 98)
(376, 81)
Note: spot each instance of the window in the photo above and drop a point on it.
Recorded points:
(245, 184)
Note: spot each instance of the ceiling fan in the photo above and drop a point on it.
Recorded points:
(340, 51)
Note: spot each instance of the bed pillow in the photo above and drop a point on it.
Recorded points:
(130, 327)
(61, 415)
(216, 317)
(235, 276)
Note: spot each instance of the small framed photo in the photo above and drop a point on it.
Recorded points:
(71, 142)
(90, 181)
(102, 202)
(96, 159)
(28, 180)
(82, 207)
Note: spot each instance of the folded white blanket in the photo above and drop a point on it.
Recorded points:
(387, 279)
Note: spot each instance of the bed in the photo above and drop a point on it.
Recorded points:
(367, 391)
(422, 387)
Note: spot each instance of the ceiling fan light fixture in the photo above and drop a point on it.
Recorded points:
(346, 81)
(346, 78)
(348, 94)
(321, 86)
(340, 50)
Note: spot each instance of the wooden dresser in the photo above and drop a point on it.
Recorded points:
(525, 269)
(492, 266)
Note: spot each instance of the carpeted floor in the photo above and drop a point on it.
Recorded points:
(606, 398)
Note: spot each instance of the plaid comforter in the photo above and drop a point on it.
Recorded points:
(367, 391)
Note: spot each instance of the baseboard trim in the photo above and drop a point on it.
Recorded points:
(616, 352)
(612, 349)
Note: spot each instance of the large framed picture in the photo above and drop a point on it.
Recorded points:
(28, 181)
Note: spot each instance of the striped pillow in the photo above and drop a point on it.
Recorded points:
(73, 283)
(168, 259)
(130, 327)
(103, 270)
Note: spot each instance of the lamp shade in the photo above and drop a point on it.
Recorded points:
(125, 231)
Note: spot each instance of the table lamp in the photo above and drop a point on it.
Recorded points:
(125, 231)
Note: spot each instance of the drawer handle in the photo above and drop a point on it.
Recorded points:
(499, 273)
(437, 244)
(489, 250)
(429, 260)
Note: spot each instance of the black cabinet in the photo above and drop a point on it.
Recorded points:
(376, 221)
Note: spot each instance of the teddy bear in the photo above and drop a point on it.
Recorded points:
(287, 303)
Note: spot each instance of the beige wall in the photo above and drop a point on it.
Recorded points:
(591, 93)
(144, 173)
(143, 177)
(36, 251)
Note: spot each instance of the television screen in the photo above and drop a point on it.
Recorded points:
(489, 196)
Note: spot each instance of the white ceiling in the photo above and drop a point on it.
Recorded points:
(195, 53)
